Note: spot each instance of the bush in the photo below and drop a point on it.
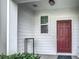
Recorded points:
(20, 56)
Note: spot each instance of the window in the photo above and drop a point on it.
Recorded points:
(44, 24)
(44, 19)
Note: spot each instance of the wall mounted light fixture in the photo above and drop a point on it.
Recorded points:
(51, 2)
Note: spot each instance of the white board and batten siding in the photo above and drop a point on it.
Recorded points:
(3, 26)
(46, 43)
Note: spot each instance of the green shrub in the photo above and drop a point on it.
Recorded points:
(20, 56)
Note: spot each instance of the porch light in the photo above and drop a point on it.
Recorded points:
(51, 2)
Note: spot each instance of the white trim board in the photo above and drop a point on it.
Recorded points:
(25, 1)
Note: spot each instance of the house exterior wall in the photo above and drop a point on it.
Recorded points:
(8, 42)
(47, 43)
(25, 26)
(3, 27)
(12, 28)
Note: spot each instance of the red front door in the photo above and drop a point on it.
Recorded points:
(64, 36)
